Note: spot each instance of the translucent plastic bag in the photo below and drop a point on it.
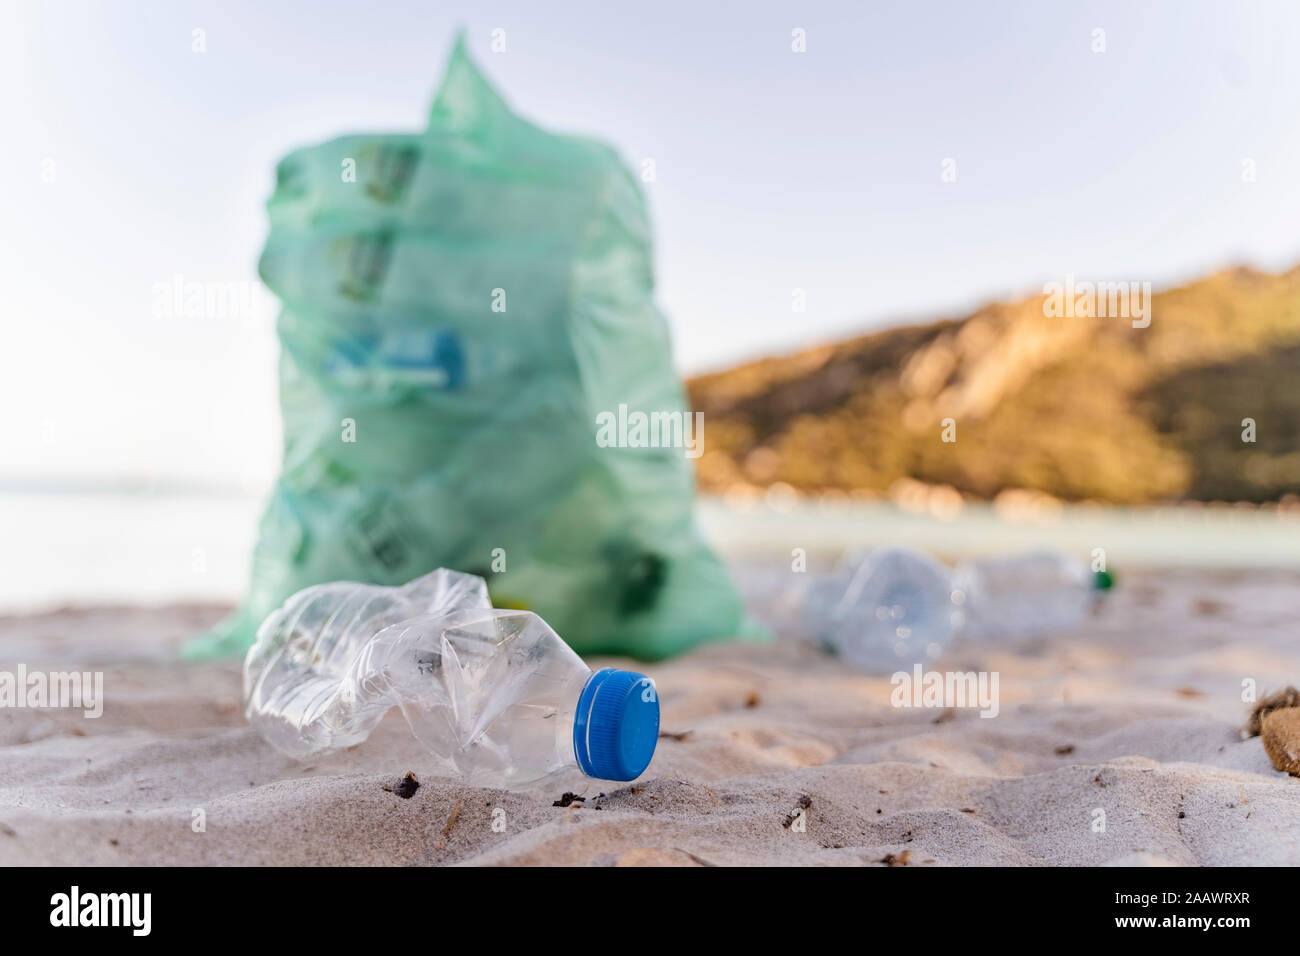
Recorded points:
(461, 307)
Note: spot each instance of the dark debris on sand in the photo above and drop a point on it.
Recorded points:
(406, 787)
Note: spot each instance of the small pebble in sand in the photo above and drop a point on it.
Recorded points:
(803, 803)
(1282, 739)
(1277, 718)
(1278, 700)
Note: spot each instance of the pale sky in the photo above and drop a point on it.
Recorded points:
(131, 159)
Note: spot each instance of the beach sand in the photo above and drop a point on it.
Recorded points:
(775, 755)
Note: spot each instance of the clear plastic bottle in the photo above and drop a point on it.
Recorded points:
(1034, 592)
(495, 695)
(891, 609)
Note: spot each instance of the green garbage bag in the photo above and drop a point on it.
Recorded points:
(465, 312)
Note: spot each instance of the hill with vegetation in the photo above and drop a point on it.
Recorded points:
(1078, 408)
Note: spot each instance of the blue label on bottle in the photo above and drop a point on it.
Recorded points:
(418, 358)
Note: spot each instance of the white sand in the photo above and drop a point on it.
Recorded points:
(1136, 714)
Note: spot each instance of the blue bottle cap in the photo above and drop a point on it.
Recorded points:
(617, 725)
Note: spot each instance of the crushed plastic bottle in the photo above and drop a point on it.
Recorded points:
(886, 611)
(495, 695)
(1034, 592)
